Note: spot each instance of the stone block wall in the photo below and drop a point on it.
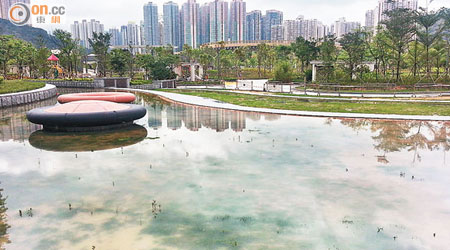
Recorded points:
(15, 99)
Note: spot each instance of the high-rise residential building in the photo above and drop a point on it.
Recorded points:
(272, 17)
(134, 34)
(124, 35)
(218, 21)
(204, 24)
(292, 29)
(6, 4)
(379, 13)
(342, 27)
(314, 30)
(370, 19)
(172, 28)
(237, 27)
(161, 33)
(84, 31)
(189, 17)
(116, 37)
(254, 26)
(277, 33)
(151, 24)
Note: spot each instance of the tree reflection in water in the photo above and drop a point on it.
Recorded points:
(394, 136)
(4, 239)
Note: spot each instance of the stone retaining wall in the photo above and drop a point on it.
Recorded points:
(76, 84)
(162, 84)
(15, 99)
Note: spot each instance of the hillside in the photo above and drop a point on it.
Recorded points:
(27, 33)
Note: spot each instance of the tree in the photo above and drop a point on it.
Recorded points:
(328, 53)
(379, 51)
(400, 29)
(218, 59)
(100, 45)
(284, 72)
(206, 58)
(8, 49)
(240, 57)
(40, 62)
(42, 65)
(66, 45)
(427, 34)
(146, 61)
(283, 52)
(445, 13)
(159, 64)
(261, 54)
(306, 51)
(439, 49)
(24, 56)
(119, 61)
(355, 47)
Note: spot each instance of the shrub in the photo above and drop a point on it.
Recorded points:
(141, 82)
(284, 72)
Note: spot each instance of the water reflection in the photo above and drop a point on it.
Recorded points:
(412, 136)
(200, 182)
(4, 238)
(14, 124)
(92, 141)
(176, 116)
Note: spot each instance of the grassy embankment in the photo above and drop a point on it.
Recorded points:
(368, 107)
(14, 86)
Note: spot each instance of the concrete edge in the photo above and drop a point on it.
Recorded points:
(211, 103)
(25, 97)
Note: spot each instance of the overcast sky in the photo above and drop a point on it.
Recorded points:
(114, 13)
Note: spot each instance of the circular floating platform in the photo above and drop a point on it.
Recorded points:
(119, 97)
(85, 142)
(86, 116)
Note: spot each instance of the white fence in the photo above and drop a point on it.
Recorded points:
(259, 85)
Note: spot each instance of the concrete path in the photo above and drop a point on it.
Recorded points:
(207, 102)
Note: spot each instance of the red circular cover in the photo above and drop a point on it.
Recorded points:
(119, 97)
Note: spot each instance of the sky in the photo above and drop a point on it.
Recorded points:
(114, 13)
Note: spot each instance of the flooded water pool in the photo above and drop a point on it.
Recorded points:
(197, 178)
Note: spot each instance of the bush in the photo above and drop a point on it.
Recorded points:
(308, 74)
(200, 83)
(141, 82)
(284, 72)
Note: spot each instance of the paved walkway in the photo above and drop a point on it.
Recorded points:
(207, 102)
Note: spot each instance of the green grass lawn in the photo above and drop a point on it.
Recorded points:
(7, 87)
(323, 106)
(389, 91)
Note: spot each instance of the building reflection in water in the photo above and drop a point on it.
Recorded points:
(193, 117)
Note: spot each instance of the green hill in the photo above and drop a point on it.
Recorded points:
(27, 33)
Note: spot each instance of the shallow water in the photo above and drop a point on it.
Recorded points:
(212, 179)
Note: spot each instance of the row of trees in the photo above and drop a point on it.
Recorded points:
(24, 55)
(408, 44)
(158, 63)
